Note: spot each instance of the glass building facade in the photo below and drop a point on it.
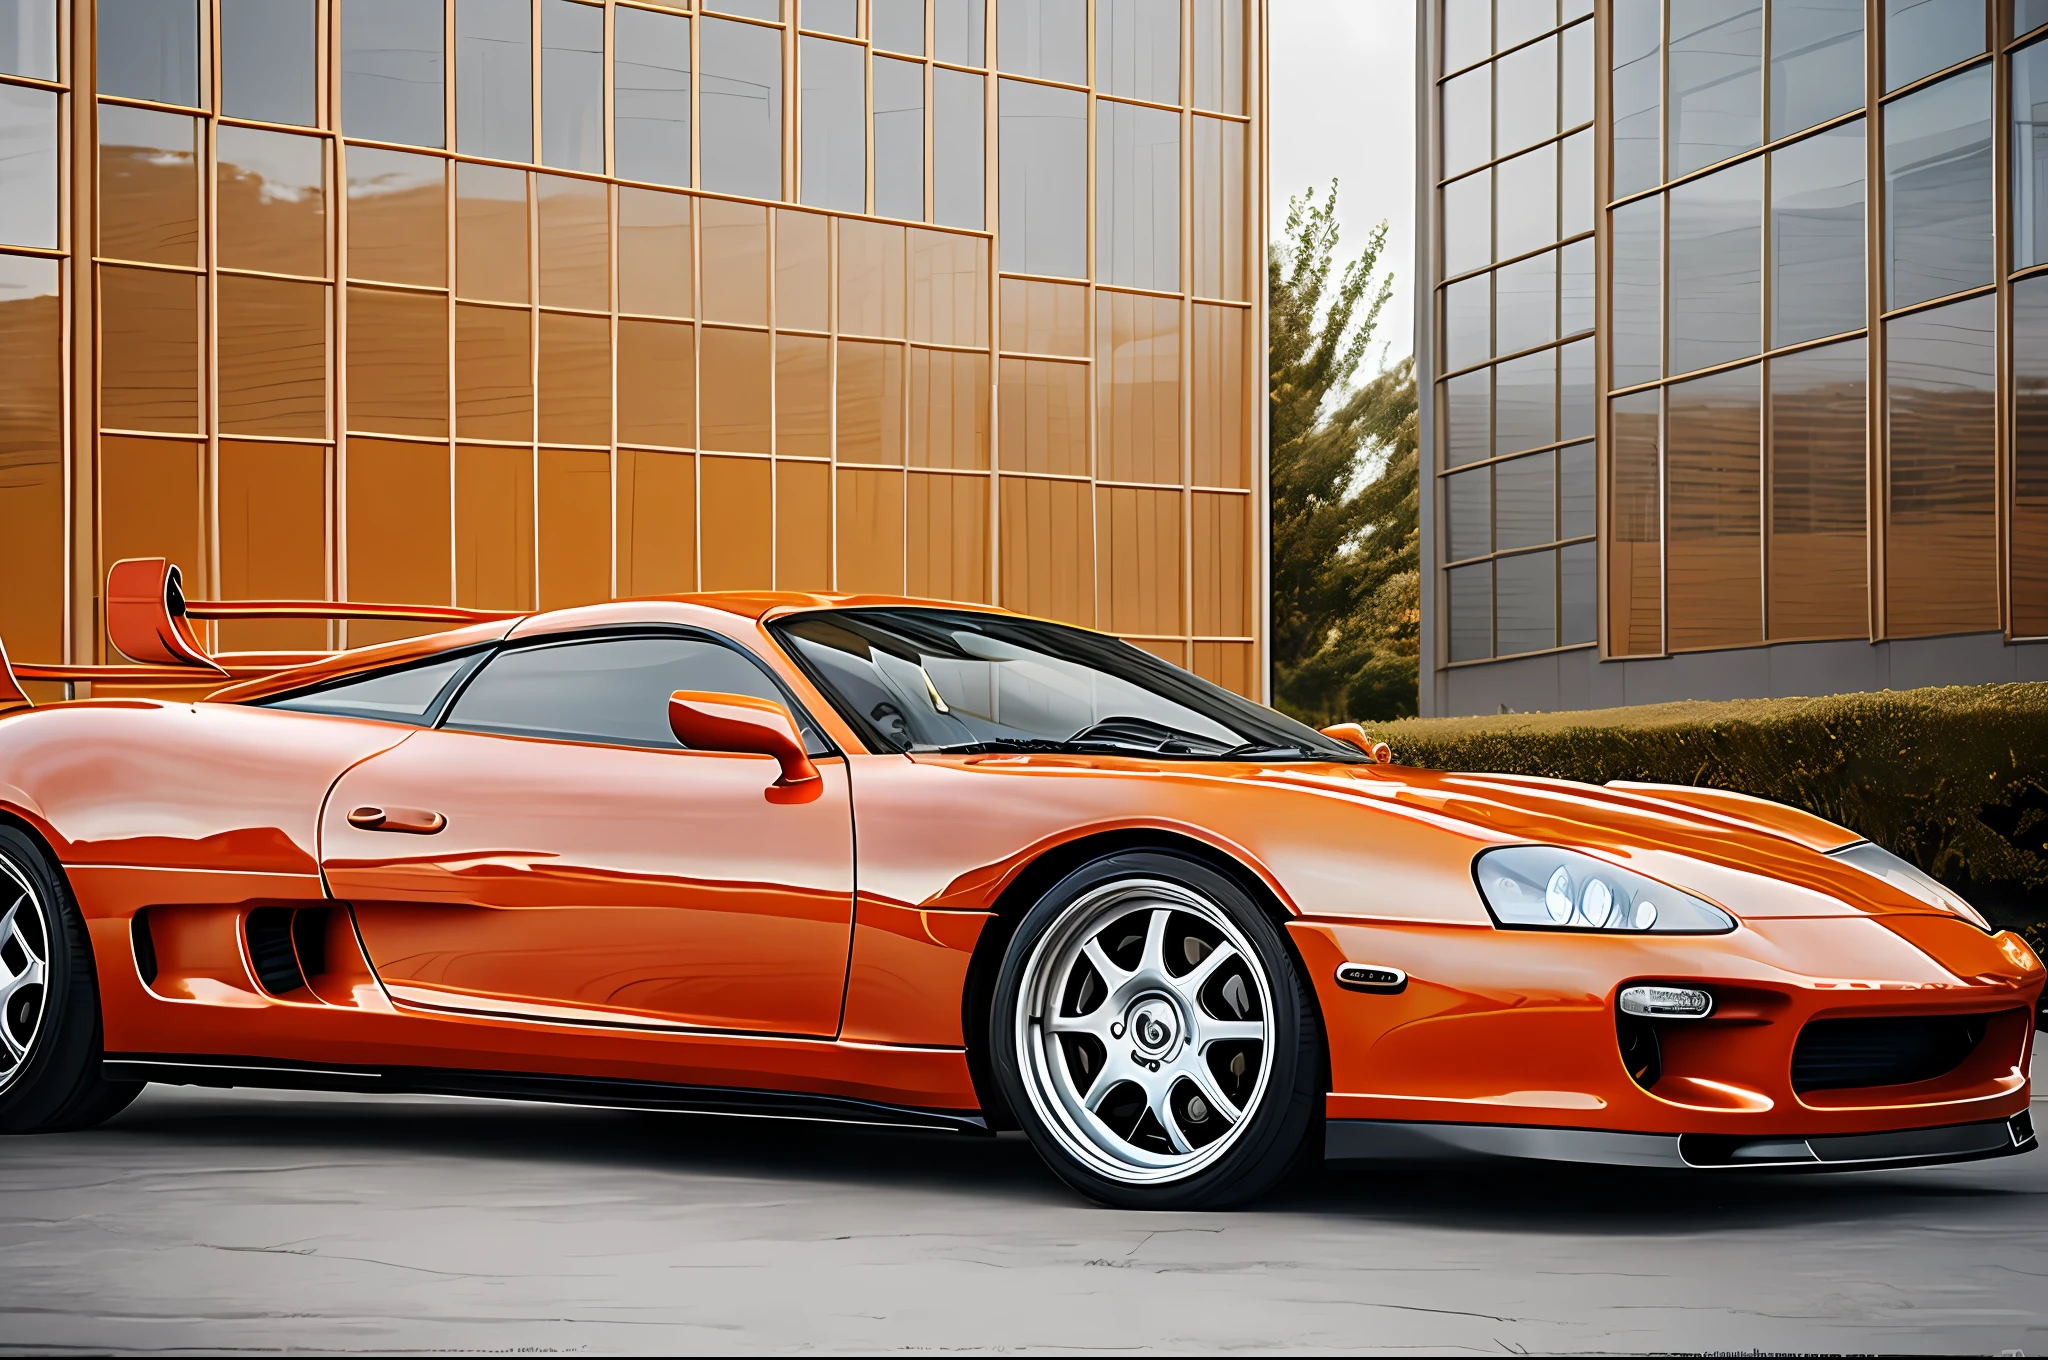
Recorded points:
(521, 304)
(1736, 333)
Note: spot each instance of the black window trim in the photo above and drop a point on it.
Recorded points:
(473, 656)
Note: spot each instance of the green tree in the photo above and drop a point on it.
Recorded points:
(1346, 608)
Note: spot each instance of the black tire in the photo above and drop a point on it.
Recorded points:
(1047, 1076)
(55, 1085)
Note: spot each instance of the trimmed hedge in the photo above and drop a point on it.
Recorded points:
(1953, 778)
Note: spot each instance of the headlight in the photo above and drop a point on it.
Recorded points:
(1874, 859)
(1556, 889)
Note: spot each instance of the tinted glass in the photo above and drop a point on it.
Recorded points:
(1468, 32)
(572, 85)
(1524, 502)
(1717, 267)
(1468, 223)
(959, 31)
(1468, 514)
(2028, 15)
(494, 79)
(391, 61)
(408, 695)
(1043, 191)
(1575, 82)
(927, 679)
(1137, 205)
(1638, 110)
(753, 9)
(1938, 217)
(614, 691)
(1468, 418)
(831, 16)
(1818, 452)
(1525, 601)
(1044, 38)
(899, 138)
(1714, 510)
(1575, 283)
(741, 136)
(1575, 391)
(149, 49)
(1517, 21)
(1525, 402)
(1137, 49)
(1525, 303)
(1637, 304)
(897, 25)
(1575, 185)
(1578, 592)
(1817, 236)
(1816, 62)
(959, 189)
(1467, 323)
(1525, 97)
(1577, 493)
(1635, 578)
(2030, 155)
(1526, 188)
(28, 167)
(28, 38)
(834, 123)
(2030, 457)
(651, 96)
(1468, 120)
(1471, 610)
(1925, 36)
(1717, 103)
(267, 51)
(1219, 55)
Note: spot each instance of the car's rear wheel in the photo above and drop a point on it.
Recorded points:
(49, 1002)
(1154, 1038)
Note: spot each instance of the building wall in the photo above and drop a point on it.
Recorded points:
(527, 303)
(1821, 339)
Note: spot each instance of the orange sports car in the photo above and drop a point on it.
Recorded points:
(940, 866)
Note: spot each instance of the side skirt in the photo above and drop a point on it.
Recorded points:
(606, 1093)
(1376, 1140)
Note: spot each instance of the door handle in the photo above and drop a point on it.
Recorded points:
(418, 821)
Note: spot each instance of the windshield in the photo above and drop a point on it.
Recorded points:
(937, 680)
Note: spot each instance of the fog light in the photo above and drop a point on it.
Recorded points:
(1667, 1003)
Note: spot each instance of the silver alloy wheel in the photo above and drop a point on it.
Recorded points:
(1144, 1074)
(24, 965)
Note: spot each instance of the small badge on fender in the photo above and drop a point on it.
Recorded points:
(1370, 977)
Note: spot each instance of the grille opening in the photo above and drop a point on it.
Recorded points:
(144, 945)
(1883, 1051)
(309, 940)
(273, 934)
(1641, 1054)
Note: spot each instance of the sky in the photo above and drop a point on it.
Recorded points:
(1343, 106)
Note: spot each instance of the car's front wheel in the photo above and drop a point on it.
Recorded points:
(1154, 1037)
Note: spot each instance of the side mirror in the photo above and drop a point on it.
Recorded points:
(1351, 734)
(749, 726)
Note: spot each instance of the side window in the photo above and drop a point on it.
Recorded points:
(609, 690)
(412, 695)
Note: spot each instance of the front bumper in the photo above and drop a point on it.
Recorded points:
(1380, 1139)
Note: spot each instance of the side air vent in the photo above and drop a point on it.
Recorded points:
(1884, 1051)
(145, 946)
(270, 950)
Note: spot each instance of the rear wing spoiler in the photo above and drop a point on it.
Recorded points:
(149, 621)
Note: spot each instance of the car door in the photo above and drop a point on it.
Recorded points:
(551, 850)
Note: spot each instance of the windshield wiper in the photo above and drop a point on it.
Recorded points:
(995, 744)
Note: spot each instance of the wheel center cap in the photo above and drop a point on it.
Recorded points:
(1154, 1026)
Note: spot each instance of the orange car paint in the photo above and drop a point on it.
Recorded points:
(518, 939)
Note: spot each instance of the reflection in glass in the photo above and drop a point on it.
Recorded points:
(1467, 340)
(28, 167)
(833, 120)
(1524, 502)
(1043, 38)
(1471, 610)
(1637, 102)
(1575, 390)
(1635, 573)
(490, 233)
(272, 357)
(1219, 55)
(1044, 417)
(830, 16)
(391, 54)
(1816, 62)
(870, 402)
(871, 278)
(1817, 444)
(1468, 418)
(655, 255)
(2028, 15)
(494, 79)
(1578, 592)
(897, 25)
(1716, 81)
(1045, 318)
(1575, 187)
(1525, 97)
(575, 244)
(735, 262)
(1137, 388)
(1938, 218)
(1468, 223)
(1525, 402)
(734, 386)
(572, 86)
(398, 224)
(493, 373)
(1817, 236)
(149, 186)
(1575, 82)
(740, 141)
(1468, 514)
(1717, 267)
(32, 493)
(1468, 32)
(752, 9)
(959, 31)
(575, 366)
(1468, 120)
(28, 38)
(149, 49)
(1577, 491)
(803, 396)
(657, 383)
(1525, 600)
(397, 362)
(1714, 514)
(2030, 156)
(1221, 452)
(651, 96)
(267, 51)
(1526, 190)
(1525, 300)
(1941, 557)
(1042, 195)
(958, 187)
(149, 350)
(1575, 288)
(1137, 207)
(1925, 36)
(1137, 49)
(802, 283)
(1637, 305)
(1516, 21)
(899, 138)
(272, 200)
(2029, 534)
